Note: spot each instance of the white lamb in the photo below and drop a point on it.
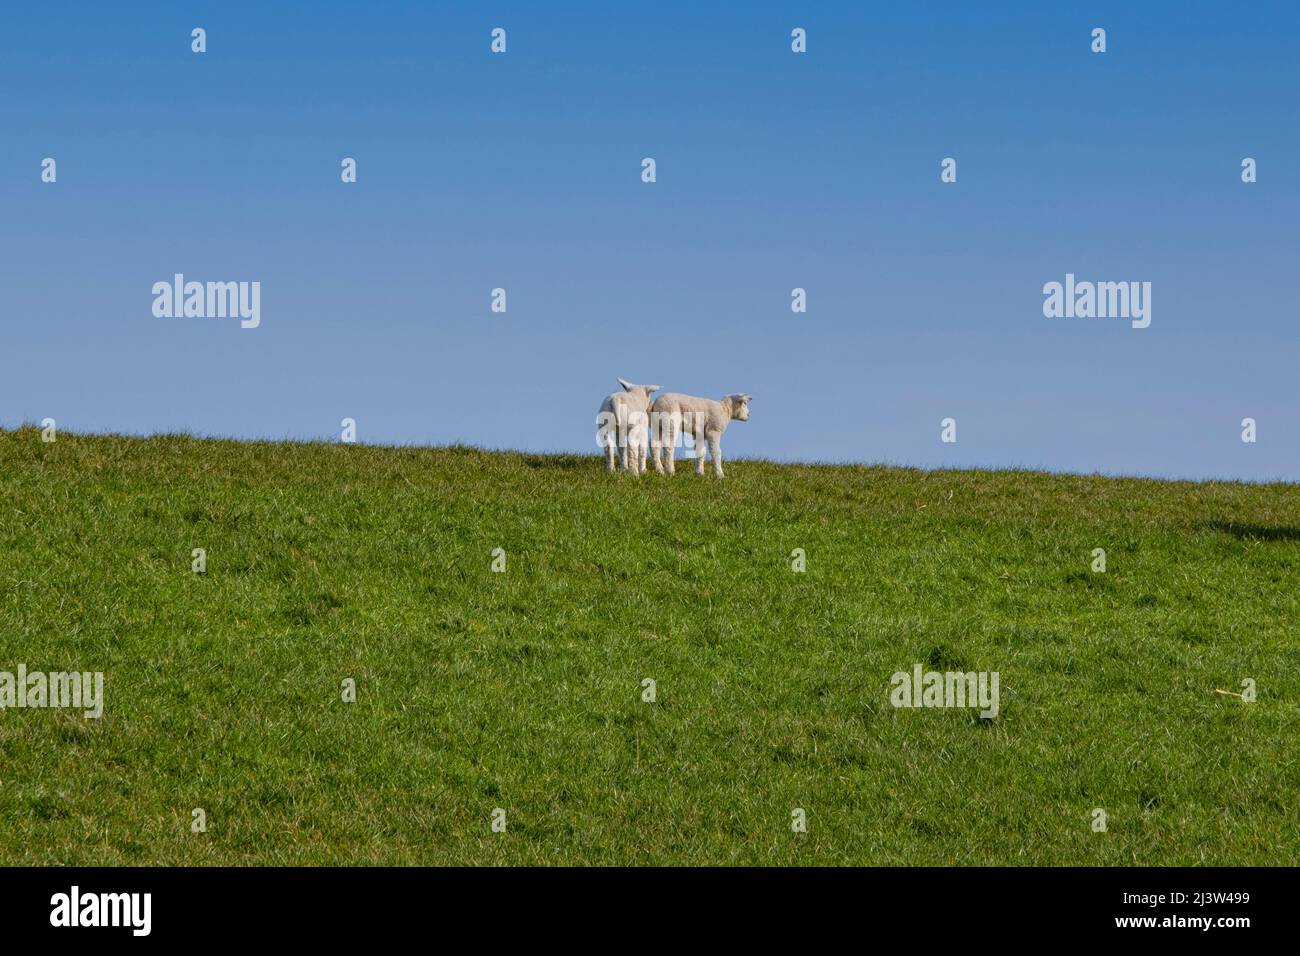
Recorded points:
(621, 423)
(703, 418)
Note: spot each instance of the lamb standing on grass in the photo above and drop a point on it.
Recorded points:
(622, 422)
(705, 419)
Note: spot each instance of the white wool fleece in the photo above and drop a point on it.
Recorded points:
(621, 423)
(703, 418)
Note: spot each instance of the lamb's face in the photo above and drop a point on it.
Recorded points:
(740, 407)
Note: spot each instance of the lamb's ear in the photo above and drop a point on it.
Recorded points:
(747, 398)
(652, 388)
(627, 386)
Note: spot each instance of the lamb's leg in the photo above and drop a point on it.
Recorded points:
(609, 456)
(715, 452)
(670, 445)
(698, 442)
(639, 448)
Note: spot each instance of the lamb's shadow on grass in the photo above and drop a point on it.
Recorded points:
(563, 462)
(1255, 532)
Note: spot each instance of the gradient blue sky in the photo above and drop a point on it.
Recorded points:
(775, 170)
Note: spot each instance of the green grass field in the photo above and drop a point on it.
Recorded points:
(522, 690)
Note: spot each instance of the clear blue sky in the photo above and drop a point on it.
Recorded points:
(775, 170)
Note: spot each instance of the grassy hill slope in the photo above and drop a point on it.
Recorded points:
(523, 690)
